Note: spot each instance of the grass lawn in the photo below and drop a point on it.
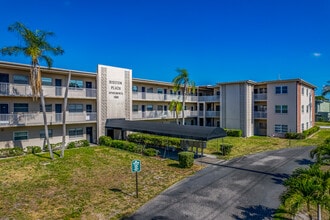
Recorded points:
(243, 146)
(89, 183)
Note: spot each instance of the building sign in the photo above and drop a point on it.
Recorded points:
(116, 89)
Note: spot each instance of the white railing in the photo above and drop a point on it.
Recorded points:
(260, 97)
(162, 114)
(211, 98)
(161, 97)
(10, 89)
(25, 119)
(260, 114)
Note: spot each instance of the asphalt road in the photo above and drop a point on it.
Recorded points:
(242, 188)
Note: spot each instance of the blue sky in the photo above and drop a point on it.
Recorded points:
(215, 40)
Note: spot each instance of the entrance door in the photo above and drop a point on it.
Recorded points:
(89, 114)
(4, 86)
(143, 108)
(89, 92)
(58, 112)
(58, 87)
(143, 90)
(165, 94)
(89, 134)
(4, 117)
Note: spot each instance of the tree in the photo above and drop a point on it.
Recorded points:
(307, 186)
(326, 89)
(185, 85)
(176, 106)
(322, 152)
(65, 104)
(36, 47)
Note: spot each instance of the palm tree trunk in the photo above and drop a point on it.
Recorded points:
(42, 100)
(183, 104)
(319, 212)
(64, 115)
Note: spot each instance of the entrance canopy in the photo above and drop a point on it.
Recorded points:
(171, 130)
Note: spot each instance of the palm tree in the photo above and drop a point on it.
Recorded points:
(307, 186)
(36, 47)
(185, 85)
(322, 153)
(176, 106)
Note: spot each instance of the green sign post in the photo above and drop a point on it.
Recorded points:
(136, 167)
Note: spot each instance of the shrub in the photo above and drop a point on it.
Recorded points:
(151, 152)
(292, 135)
(327, 140)
(310, 131)
(186, 159)
(225, 149)
(33, 149)
(11, 152)
(105, 141)
(71, 145)
(234, 132)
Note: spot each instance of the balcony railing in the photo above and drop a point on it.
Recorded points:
(10, 89)
(260, 114)
(209, 114)
(260, 97)
(26, 119)
(211, 98)
(161, 97)
(162, 114)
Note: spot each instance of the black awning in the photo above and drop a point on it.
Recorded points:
(172, 130)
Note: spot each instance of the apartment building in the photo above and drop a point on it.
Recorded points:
(269, 108)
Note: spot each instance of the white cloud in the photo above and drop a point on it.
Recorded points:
(317, 54)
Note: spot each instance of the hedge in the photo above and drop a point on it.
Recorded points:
(153, 140)
(233, 132)
(11, 152)
(120, 144)
(303, 135)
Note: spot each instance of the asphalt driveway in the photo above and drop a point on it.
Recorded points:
(242, 188)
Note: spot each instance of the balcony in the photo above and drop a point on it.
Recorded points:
(162, 114)
(137, 96)
(30, 119)
(260, 97)
(211, 98)
(10, 89)
(209, 114)
(260, 114)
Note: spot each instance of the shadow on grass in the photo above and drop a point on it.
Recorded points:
(116, 190)
(174, 165)
(254, 212)
(46, 155)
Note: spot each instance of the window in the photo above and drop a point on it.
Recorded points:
(281, 128)
(135, 108)
(281, 90)
(262, 125)
(46, 81)
(150, 107)
(302, 109)
(20, 135)
(218, 92)
(42, 133)
(302, 90)
(281, 109)
(134, 88)
(307, 107)
(75, 108)
(76, 83)
(306, 125)
(21, 107)
(159, 107)
(48, 108)
(302, 127)
(21, 79)
(160, 91)
(150, 90)
(75, 132)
